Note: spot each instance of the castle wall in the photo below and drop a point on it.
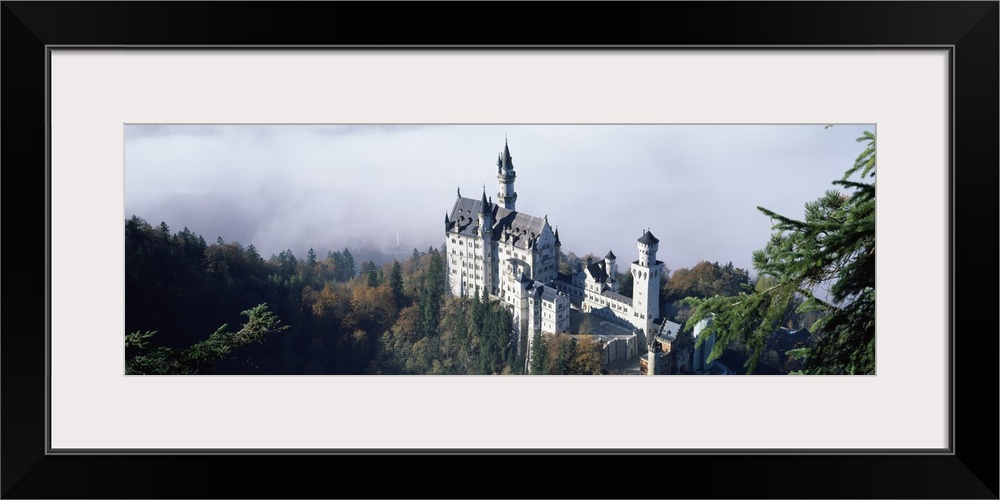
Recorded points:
(465, 266)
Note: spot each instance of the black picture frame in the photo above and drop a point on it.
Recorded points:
(970, 28)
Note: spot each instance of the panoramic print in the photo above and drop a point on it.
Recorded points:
(499, 249)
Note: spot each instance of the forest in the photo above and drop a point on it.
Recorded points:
(313, 316)
(337, 316)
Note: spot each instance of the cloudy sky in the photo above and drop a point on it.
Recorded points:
(696, 187)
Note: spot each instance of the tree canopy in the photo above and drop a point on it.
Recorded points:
(704, 280)
(202, 356)
(827, 262)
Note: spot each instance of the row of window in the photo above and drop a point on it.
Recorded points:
(468, 242)
(465, 263)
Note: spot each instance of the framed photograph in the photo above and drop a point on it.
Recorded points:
(138, 96)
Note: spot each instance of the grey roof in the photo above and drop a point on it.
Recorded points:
(518, 225)
(597, 271)
(484, 205)
(549, 294)
(610, 255)
(465, 214)
(535, 289)
(617, 296)
(506, 158)
(647, 238)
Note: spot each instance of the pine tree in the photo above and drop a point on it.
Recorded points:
(202, 356)
(538, 354)
(832, 248)
(396, 282)
(432, 293)
(370, 271)
(349, 269)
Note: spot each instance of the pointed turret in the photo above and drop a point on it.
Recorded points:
(485, 216)
(648, 244)
(505, 176)
(611, 268)
(647, 238)
(507, 163)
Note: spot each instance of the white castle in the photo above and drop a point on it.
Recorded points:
(496, 251)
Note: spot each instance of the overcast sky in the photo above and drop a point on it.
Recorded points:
(696, 187)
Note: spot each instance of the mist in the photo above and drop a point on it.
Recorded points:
(327, 187)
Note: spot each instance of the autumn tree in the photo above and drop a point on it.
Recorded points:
(705, 279)
(832, 250)
(560, 350)
(587, 356)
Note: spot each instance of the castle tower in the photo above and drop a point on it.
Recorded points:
(646, 283)
(651, 354)
(485, 243)
(505, 175)
(612, 269)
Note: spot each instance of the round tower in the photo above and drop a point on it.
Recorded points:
(646, 283)
(505, 176)
(648, 244)
(609, 265)
(485, 252)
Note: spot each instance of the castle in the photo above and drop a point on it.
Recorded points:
(493, 250)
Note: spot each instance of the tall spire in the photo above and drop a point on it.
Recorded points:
(505, 175)
(507, 163)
